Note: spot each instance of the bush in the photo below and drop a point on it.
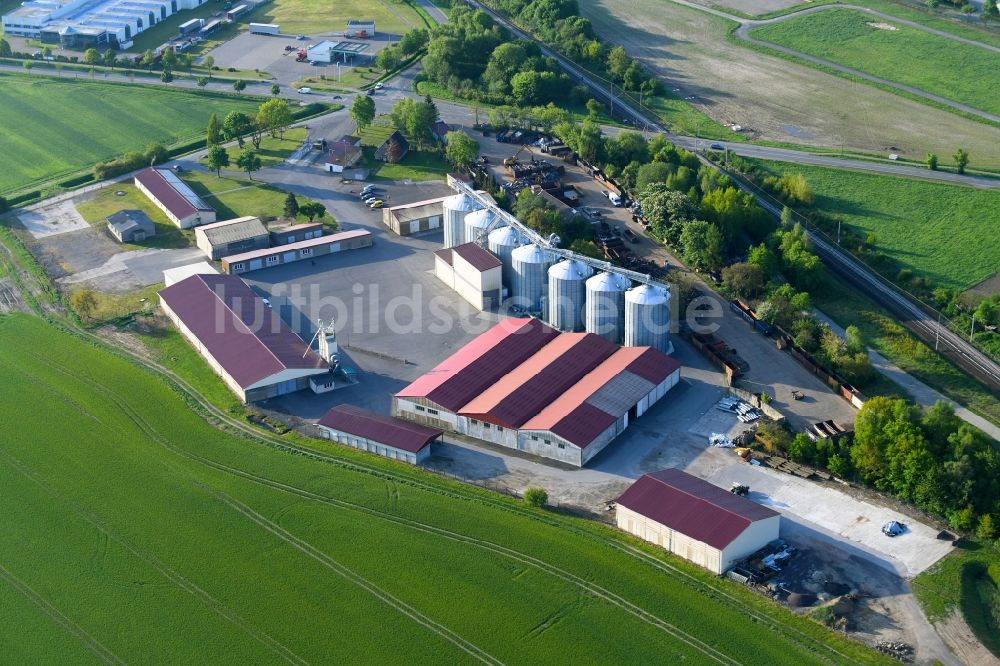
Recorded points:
(536, 497)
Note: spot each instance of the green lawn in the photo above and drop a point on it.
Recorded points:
(945, 233)
(350, 78)
(273, 150)
(310, 17)
(106, 202)
(238, 196)
(934, 64)
(966, 579)
(181, 539)
(54, 127)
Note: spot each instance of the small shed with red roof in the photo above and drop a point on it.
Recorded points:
(379, 434)
(472, 272)
(695, 519)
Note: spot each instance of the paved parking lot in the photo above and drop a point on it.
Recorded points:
(44, 221)
(130, 271)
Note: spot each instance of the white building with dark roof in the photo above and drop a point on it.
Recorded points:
(472, 272)
(174, 197)
(228, 237)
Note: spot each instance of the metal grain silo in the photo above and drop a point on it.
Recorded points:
(647, 318)
(530, 264)
(501, 243)
(605, 311)
(477, 222)
(567, 294)
(455, 209)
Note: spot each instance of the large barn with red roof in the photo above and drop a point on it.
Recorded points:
(696, 520)
(524, 385)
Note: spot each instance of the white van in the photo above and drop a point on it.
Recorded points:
(614, 199)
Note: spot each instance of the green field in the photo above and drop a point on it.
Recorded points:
(934, 64)
(945, 233)
(54, 127)
(238, 196)
(273, 150)
(417, 165)
(135, 532)
(106, 202)
(966, 580)
(310, 17)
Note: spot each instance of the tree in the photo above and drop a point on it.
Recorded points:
(83, 302)
(5, 50)
(388, 58)
(702, 244)
(248, 161)
(291, 206)
(413, 41)
(202, 81)
(236, 126)
(213, 135)
(594, 108)
(148, 58)
(156, 153)
(363, 111)
(217, 159)
(209, 63)
(854, 340)
(765, 260)
(414, 119)
(91, 57)
(654, 172)
(536, 497)
(168, 59)
(3, 204)
(627, 147)
(932, 161)
(166, 76)
(744, 279)
(275, 89)
(274, 116)
(461, 149)
(961, 158)
(313, 210)
(186, 61)
(239, 85)
(986, 529)
(27, 64)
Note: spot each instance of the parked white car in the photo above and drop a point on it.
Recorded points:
(305, 91)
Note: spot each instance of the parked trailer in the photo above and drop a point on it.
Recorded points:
(265, 29)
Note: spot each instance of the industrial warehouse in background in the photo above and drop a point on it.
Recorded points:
(526, 386)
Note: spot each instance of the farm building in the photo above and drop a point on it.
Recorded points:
(241, 234)
(360, 29)
(175, 275)
(383, 435)
(131, 226)
(245, 342)
(341, 155)
(472, 272)
(440, 130)
(293, 233)
(393, 149)
(413, 218)
(80, 24)
(306, 249)
(173, 196)
(523, 385)
(696, 520)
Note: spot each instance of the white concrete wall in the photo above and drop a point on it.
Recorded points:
(759, 534)
(547, 445)
(408, 409)
(490, 432)
(679, 544)
(196, 343)
(365, 444)
(661, 390)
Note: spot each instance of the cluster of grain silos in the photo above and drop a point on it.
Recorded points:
(455, 209)
(647, 318)
(477, 223)
(567, 294)
(530, 265)
(502, 242)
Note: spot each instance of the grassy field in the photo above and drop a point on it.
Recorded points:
(53, 127)
(775, 100)
(946, 233)
(106, 202)
(934, 64)
(273, 150)
(967, 580)
(238, 196)
(225, 550)
(310, 17)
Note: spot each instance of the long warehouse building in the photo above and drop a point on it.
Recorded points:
(525, 386)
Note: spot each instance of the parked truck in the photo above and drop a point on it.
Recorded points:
(265, 28)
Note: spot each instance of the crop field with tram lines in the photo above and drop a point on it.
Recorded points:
(136, 532)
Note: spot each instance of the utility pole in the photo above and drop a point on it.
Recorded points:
(838, 235)
(973, 329)
(612, 114)
(937, 333)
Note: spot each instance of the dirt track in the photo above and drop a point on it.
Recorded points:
(778, 100)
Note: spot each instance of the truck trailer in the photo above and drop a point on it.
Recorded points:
(265, 29)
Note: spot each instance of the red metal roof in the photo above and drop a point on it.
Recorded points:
(237, 329)
(445, 254)
(534, 384)
(580, 414)
(387, 430)
(479, 364)
(181, 204)
(693, 507)
(479, 258)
